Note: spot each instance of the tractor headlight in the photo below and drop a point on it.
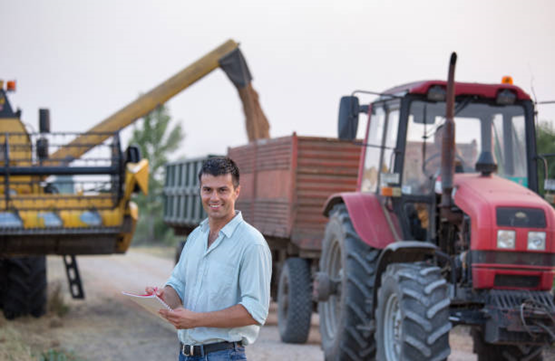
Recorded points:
(536, 241)
(506, 239)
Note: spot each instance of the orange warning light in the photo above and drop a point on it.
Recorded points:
(507, 80)
(11, 86)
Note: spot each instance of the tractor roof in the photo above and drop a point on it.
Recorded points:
(481, 90)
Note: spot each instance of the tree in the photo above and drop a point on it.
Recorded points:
(545, 138)
(156, 142)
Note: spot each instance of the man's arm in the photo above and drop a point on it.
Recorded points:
(234, 316)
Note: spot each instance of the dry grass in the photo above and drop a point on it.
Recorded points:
(12, 343)
(56, 302)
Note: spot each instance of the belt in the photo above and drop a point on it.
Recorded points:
(201, 350)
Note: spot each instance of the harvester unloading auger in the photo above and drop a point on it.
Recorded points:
(56, 200)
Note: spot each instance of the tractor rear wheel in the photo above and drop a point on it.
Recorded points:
(25, 287)
(294, 301)
(489, 352)
(412, 314)
(345, 318)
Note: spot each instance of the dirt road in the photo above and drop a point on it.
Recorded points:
(109, 327)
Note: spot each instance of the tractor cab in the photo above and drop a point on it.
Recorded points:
(403, 144)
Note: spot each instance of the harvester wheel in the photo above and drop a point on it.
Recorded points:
(25, 287)
(294, 301)
(3, 280)
(37, 284)
(412, 317)
(489, 352)
(345, 318)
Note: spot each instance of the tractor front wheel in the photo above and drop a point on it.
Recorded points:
(412, 314)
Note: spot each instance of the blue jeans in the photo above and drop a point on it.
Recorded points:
(233, 354)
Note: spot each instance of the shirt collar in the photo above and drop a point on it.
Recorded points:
(229, 228)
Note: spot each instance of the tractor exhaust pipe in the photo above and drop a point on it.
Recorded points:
(448, 141)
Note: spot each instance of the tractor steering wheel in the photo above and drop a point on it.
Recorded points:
(427, 162)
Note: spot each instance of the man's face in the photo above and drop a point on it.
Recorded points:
(218, 196)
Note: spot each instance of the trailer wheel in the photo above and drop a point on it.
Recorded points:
(178, 250)
(412, 314)
(489, 352)
(25, 287)
(345, 318)
(294, 301)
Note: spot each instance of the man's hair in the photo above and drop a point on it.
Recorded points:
(220, 166)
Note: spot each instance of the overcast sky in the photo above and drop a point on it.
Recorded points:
(86, 59)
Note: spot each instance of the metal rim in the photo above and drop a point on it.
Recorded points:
(283, 304)
(332, 308)
(392, 329)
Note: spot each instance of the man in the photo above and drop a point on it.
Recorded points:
(219, 291)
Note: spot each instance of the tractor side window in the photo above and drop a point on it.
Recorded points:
(372, 157)
(390, 140)
(414, 179)
(509, 147)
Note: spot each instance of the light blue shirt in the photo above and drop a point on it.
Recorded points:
(236, 269)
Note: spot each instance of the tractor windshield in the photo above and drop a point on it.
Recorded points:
(499, 129)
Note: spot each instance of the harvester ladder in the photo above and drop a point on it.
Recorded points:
(73, 278)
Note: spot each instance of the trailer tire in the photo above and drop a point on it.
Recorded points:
(489, 352)
(345, 318)
(25, 287)
(294, 301)
(178, 250)
(412, 315)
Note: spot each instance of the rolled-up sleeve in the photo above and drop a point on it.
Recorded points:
(176, 283)
(177, 278)
(254, 281)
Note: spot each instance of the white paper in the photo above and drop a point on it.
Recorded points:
(151, 303)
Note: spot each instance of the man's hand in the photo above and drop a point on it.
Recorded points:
(180, 318)
(151, 290)
(167, 294)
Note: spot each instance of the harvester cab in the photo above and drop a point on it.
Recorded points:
(448, 224)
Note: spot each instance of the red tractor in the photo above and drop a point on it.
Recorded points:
(446, 228)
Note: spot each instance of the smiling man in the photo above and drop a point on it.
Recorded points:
(220, 288)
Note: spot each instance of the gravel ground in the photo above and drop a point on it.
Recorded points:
(107, 326)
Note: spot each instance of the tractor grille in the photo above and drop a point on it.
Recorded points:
(509, 299)
(516, 281)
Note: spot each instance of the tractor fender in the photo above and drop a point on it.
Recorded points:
(401, 252)
(368, 217)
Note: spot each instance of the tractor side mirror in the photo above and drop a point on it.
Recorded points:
(347, 124)
(44, 120)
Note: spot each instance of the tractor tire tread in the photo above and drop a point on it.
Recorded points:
(423, 301)
(355, 340)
